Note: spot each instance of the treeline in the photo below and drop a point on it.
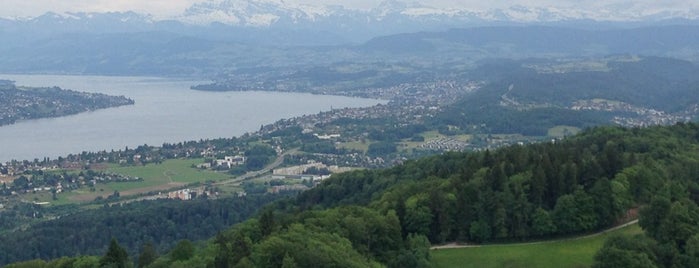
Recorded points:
(671, 237)
(161, 222)
(343, 237)
(670, 221)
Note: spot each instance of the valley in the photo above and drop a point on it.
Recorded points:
(414, 124)
(264, 133)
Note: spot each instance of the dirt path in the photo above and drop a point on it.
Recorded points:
(457, 245)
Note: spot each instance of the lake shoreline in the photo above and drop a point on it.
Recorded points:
(166, 111)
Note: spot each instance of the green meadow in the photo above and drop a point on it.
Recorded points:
(170, 171)
(578, 252)
(156, 177)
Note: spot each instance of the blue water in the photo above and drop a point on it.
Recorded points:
(166, 110)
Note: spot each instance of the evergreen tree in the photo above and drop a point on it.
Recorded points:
(148, 255)
(115, 256)
(184, 250)
(241, 247)
(267, 223)
(223, 257)
(620, 251)
(288, 262)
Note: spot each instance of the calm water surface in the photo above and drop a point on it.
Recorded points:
(166, 110)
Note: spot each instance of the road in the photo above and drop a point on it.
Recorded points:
(252, 174)
(455, 245)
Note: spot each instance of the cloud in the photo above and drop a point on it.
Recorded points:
(168, 8)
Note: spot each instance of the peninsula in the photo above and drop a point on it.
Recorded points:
(23, 103)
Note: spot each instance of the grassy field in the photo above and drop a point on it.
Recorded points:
(156, 177)
(175, 170)
(360, 146)
(45, 196)
(564, 253)
(431, 135)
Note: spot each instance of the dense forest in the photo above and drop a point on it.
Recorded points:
(391, 217)
(161, 222)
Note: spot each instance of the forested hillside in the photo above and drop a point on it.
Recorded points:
(531, 96)
(161, 223)
(576, 185)
(391, 217)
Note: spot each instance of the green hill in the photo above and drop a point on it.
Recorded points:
(391, 217)
(578, 185)
(531, 96)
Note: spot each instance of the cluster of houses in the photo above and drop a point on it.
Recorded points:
(227, 162)
(445, 144)
(299, 172)
(644, 116)
(231, 161)
(188, 194)
(283, 188)
(325, 136)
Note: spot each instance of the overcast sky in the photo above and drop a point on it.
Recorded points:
(168, 8)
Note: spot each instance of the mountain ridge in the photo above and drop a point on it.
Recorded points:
(355, 25)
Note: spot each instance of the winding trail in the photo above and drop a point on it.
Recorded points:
(457, 245)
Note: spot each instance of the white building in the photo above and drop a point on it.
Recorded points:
(231, 161)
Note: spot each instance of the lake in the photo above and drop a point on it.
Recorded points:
(166, 110)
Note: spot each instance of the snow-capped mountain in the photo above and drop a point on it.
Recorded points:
(50, 24)
(217, 34)
(272, 12)
(253, 20)
(93, 21)
(257, 13)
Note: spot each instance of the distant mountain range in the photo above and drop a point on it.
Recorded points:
(216, 37)
(543, 40)
(224, 50)
(237, 19)
(279, 12)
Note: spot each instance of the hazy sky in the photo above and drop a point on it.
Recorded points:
(166, 8)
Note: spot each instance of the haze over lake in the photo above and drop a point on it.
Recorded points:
(166, 110)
